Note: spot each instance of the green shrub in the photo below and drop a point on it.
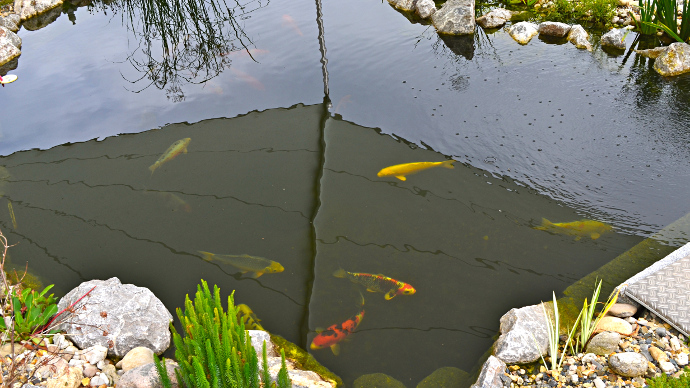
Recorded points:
(665, 381)
(216, 351)
(599, 11)
(32, 311)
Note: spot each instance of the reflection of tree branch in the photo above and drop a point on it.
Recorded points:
(183, 41)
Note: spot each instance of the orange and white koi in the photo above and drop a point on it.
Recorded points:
(400, 171)
(334, 334)
(178, 147)
(377, 283)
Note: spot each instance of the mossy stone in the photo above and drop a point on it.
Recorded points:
(446, 377)
(304, 360)
(377, 380)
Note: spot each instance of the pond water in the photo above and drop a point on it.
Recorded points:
(283, 160)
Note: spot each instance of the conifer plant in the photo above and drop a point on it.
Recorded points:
(216, 351)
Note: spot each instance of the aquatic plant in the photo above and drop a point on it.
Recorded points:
(31, 312)
(666, 18)
(666, 381)
(553, 330)
(588, 323)
(216, 350)
(647, 8)
(599, 11)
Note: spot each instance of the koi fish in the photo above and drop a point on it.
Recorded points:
(590, 228)
(178, 147)
(246, 315)
(290, 22)
(334, 334)
(377, 283)
(172, 201)
(255, 83)
(254, 265)
(401, 170)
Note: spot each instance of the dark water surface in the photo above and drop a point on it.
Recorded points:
(278, 169)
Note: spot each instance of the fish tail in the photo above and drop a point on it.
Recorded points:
(153, 168)
(545, 222)
(340, 273)
(208, 256)
(448, 163)
(361, 299)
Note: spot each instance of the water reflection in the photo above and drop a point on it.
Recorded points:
(182, 41)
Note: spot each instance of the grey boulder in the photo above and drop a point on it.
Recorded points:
(9, 24)
(29, 8)
(403, 5)
(604, 343)
(675, 61)
(14, 39)
(495, 18)
(520, 328)
(653, 53)
(490, 376)
(554, 29)
(629, 364)
(424, 8)
(523, 32)
(8, 47)
(118, 316)
(146, 376)
(456, 17)
(579, 37)
(614, 38)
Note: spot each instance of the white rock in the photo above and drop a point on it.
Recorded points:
(101, 364)
(30, 8)
(496, 18)
(523, 32)
(667, 366)
(68, 352)
(99, 379)
(589, 357)
(61, 341)
(94, 354)
(424, 8)
(579, 37)
(456, 17)
(598, 383)
(76, 362)
(681, 359)
(675, 344)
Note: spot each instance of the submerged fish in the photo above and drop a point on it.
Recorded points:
(172, 201)
(255, 83)
(246, 315)
(377, 283)
(590, 228)
(290, 22)
(14, 220)
(401, 170)
(178, 147)
(255, 265)
(334, 334)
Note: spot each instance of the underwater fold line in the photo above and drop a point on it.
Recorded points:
(44, 249)
(484, 262)
(67, 181)
(95, 223)
(476, 332)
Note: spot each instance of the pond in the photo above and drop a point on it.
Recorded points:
(285, 148)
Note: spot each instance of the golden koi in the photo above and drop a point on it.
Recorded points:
(255, 265)
(288, 21)
(590, 228)
(178, 147)
(246, 315)
(334, 334)
(377, 283)
(401, 170)
(14, 220)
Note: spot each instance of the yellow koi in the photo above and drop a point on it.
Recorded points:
(178, 147)
(14, 220)
(255, 265)
(590, 228)
(401, 170)
(246, 315)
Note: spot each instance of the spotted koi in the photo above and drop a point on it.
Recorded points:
(377, 283)
(334, 334)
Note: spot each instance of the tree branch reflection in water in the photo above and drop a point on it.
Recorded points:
(182, 41)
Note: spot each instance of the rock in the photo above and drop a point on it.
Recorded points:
(12, 63)
(579, 37)
(652, 53)
(614, 38)
(589, 357)
(13, 38)
(681, 359)
(137, 357)
(403, 5)
(146, 376)
(8, 48)
(629, 364)
(657, 354)
(29, 8)
(492, 370)
(523, 32)
(52, 366)
(94, 354)
(309, 379)
(519, 329)
(598, 383)
(661, 332)
(445, 377)
(675, 344)
(424, 8)
(68, 352)
(117, 316)
(258, 338)
(496, 18)
(90, 371)
(69, 378)
(10, 25)
(614, 324)
(6, 349)
(99, 380)
(109, 370)
(14, 18)
(604, 343)
(378, 380)
(61, 341)
(456, 17)
(42, 20)
(667, 367)
(554, 29)
(462, 45)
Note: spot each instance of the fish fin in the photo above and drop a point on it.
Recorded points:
(184, 151)
(319, 330)
(370, 290)
(578, 238)
(339, 273)
(401, 177)
(391, 294)
(335, 348)
(208, 256)
(153, 168)
(448, 164)
(255, 275)
(545, 222)
(595, 235)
